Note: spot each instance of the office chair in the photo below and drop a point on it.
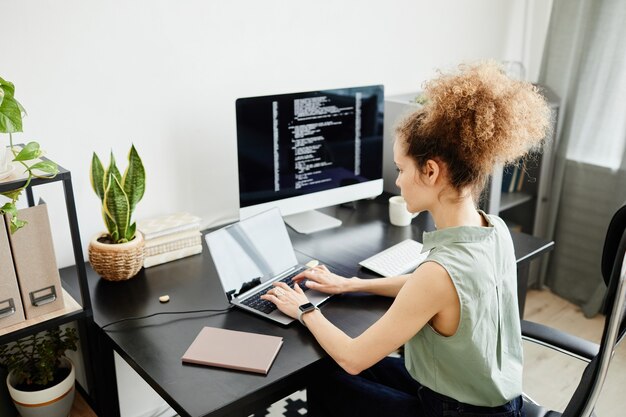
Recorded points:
(598, 357)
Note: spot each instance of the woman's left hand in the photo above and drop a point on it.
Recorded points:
(286, 299)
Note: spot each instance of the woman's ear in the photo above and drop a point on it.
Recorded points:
(432, 171)
(429, 173)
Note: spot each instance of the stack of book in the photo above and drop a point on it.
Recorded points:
(170, 237)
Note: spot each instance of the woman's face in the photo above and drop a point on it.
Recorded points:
(408, 180)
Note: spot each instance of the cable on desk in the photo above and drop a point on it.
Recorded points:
(221, 311)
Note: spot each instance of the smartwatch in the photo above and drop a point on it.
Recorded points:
(305, 308)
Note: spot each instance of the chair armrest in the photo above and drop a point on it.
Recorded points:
(559, 341)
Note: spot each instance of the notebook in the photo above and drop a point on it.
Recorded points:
(252, 254)
(233, 349)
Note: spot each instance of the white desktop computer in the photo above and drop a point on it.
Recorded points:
(304, 151)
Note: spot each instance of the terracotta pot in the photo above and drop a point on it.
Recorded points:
(116, 261)
(55, 401)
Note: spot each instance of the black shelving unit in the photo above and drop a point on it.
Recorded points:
(83, 316)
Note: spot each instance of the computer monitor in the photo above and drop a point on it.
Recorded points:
(304, 151)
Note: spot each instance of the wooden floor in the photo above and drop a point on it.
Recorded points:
(549, 377)
(81, 408)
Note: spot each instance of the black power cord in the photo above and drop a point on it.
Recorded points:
(221, 311)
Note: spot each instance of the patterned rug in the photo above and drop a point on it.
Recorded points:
(291, 406)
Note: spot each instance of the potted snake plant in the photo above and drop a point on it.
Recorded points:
(15, 158)
(117, 254)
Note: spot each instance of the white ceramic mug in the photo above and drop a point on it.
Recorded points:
(398, 214)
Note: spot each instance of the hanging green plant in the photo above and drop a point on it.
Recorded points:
(11, 115)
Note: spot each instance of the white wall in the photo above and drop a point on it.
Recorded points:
(98, 75)
(537, 22)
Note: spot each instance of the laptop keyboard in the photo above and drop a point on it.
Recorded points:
(265, 306)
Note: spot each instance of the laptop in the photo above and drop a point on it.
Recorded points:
(250, 256)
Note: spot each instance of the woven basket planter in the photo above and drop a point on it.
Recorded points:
(119, 261)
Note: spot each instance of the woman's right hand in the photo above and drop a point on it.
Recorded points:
(321, 279)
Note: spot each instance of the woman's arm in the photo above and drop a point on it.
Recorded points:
(321, 279)
(388, 287)
(425, 293)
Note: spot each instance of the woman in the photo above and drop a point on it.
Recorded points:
(457, 313)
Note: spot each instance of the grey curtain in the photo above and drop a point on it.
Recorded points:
(584, 62)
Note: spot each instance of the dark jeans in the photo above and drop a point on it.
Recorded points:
(387, 389)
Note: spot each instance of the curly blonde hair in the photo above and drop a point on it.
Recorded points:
(473, 119)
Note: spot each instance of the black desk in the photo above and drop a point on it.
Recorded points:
(154, 346)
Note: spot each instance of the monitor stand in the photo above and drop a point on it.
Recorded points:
(311, 221)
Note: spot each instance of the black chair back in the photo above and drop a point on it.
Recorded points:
(588, 390)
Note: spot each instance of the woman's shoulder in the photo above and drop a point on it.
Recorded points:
(433, 277)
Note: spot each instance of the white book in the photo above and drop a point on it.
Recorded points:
(173, 245)
(168, 224)
(173, 237)
(171, 256)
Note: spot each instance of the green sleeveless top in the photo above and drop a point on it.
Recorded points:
(481, 364)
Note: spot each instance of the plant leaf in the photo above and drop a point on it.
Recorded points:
(96, 176)
(10, 109)
(109, 223)
(28, 152)
(131, 232)
(10, 116)
(9, 208)
(17, 224)
(46, 166)
(112, 169)
(134, 180)
(7, 87)
(14, 195)
(116, 206)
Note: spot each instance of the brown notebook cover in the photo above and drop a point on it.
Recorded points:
(233, 349)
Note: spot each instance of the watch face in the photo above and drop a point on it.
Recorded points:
(306, 307)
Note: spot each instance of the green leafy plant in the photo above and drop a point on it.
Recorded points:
(119, 194)
(36, 360)
(11, 113)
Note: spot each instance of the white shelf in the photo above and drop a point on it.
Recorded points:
(510, 200)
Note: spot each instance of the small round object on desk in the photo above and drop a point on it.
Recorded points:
(164, 298)
(312, 263)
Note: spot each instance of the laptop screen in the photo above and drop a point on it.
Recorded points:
(256, 247)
